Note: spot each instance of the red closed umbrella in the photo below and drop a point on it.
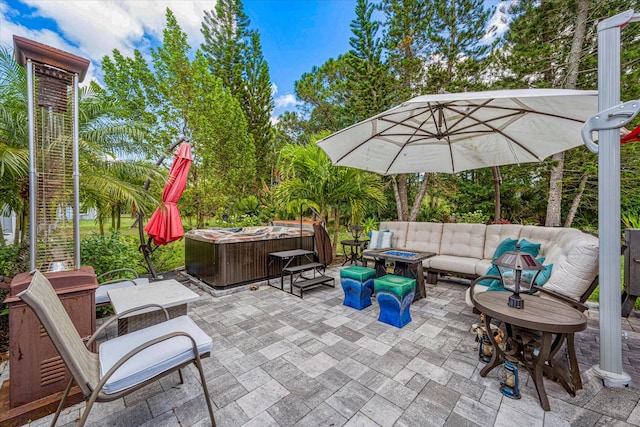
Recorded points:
(165, 224)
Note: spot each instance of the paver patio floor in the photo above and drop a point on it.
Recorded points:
(279, 360)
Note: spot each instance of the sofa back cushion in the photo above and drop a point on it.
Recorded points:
(496, 233)
(463, 240)
(549, 239)
(576, 266)
(424, 236)
(574, 256)
(399, 229)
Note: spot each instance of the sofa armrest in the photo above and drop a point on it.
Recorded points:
(575, 304)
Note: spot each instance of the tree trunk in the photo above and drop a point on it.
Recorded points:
(336, 231)
(396, 193)
(576, 201)
(415, 210)
(554, 204)
(24, 225)
(497, 180)
(18, 229)
(404, 198)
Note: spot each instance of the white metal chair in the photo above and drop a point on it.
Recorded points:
(124, 364)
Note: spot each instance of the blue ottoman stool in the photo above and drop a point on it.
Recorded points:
(394, 295)
(357, 283)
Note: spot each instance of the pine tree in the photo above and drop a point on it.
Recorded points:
(258, 105)
(323, 92)
(455, 35)
(368, 75)
(224, 30)
(235, 56)
(406, 45)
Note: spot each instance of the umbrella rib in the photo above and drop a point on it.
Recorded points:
(374, 135)
(409, 140)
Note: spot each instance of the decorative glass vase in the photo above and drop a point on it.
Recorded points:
(509, 386)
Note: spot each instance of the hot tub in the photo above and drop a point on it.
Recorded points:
(228, 257)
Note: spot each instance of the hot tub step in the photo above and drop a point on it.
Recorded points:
(303, 267)
(306, 284)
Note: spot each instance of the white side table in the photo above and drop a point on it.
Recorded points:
(170, 294)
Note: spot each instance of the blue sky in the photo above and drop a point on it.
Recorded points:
(296, 34)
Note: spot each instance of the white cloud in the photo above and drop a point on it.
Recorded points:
(285, 101)
(93, 28)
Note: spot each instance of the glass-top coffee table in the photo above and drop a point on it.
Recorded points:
(401, 262)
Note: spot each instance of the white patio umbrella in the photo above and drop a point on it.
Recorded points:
(454, 132)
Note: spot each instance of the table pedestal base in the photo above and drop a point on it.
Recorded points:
(537, 355)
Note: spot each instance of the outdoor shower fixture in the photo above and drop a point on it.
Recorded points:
(52, 88)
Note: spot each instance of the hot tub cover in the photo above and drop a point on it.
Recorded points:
(232, 235)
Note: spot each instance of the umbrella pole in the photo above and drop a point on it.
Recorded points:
(610, 367)
(145, 246)
(497, 180)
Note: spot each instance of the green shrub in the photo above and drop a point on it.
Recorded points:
(169, 257)
(475, 217)
(8, 256)
(111, 251)
(369, 224)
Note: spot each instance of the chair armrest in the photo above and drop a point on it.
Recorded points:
(118, 316)
(118, 270)
(575, 304)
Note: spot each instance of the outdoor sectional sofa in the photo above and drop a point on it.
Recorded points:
(466, 250)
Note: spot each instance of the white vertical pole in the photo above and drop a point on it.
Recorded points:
(33, 176)
(76, 174)
(610, 367)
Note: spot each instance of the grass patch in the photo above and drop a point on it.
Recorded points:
(595, 295)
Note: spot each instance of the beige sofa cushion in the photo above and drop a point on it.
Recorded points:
(399, 229)
(575, 265)
(463, 240)
(551, 239)
(424, 236)
(461, 265)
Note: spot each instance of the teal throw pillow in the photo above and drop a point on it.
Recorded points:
(543, 276)
(529, 247)
(492, 271)
(497, 286)
(506, 245)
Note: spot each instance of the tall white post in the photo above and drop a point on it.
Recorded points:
(33, 173)
(76, 174)
(610, 367)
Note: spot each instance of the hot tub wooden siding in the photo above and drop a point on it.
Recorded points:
(225, 265)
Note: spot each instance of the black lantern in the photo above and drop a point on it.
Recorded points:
(518, 271)
(355, 231)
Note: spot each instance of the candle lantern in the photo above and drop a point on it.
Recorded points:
(509, 385)
(518, 271)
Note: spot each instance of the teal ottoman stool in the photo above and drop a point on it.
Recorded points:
(395, 295)
(357, 283)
